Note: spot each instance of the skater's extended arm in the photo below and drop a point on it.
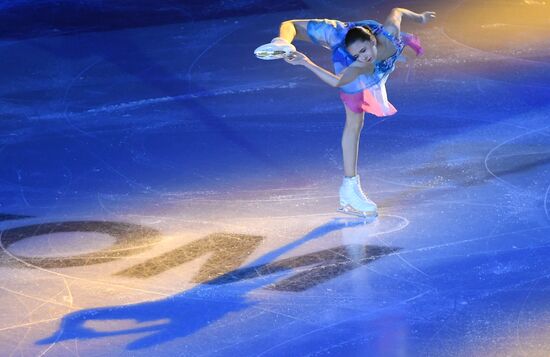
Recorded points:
(347, 75)
(393, 22)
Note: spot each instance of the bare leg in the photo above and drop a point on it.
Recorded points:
(350, 141)
(352, 198)
(294, 30)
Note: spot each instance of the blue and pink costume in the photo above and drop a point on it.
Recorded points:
(367, 93)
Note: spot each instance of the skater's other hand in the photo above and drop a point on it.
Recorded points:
(427, 16)
(297, 58)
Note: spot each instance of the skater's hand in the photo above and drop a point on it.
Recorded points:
(427, 16)
(297, 59)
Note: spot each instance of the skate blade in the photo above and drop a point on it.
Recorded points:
(353, 212)
(270, 55)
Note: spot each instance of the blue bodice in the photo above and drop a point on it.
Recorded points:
(342, 58)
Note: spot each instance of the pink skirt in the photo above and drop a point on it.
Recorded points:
(373, 100)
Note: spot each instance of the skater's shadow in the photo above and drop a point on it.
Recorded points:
(183, 314)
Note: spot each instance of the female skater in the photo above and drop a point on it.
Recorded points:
(364, 54)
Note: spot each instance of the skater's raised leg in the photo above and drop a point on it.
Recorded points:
(281, 46)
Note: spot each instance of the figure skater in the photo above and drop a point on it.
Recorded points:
(364, 53)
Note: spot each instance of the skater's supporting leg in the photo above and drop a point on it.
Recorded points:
(352, 198)
(350, 141)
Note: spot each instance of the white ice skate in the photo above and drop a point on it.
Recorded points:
(278, 48)
(353, 201)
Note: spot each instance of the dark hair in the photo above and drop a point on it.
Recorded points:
(362, 33)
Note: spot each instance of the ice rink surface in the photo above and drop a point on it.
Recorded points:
(165, 193)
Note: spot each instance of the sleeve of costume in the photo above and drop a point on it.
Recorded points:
(413, 42)
(324, 32)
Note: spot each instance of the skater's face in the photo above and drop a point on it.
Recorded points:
(363, 51)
